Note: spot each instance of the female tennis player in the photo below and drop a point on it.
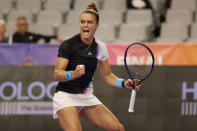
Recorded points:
(77, 61)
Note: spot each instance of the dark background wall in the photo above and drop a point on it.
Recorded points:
(158, 103)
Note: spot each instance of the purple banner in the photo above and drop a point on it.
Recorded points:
(44, 54)
(28, 54)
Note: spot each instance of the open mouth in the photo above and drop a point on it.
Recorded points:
(85, 30)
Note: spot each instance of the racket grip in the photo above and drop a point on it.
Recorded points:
(132, 101)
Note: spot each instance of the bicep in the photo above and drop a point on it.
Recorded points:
(104, 68)
(59, 72)
(61, 63)
(106, 73)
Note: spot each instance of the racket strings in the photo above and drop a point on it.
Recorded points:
(139, 61)
(144, 70)
(140, 73)
(141, 68)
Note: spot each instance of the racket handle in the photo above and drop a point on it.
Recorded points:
(132, 101)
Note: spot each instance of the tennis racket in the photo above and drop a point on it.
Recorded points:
(139, 63)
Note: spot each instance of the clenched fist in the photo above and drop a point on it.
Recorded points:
(79, 71)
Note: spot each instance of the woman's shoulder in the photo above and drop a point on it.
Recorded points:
(102, 47)
(70, 40)
(102, 50)
(100, 43)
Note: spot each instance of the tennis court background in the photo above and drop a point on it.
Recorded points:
(160, 105)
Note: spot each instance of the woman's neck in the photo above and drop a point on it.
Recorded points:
(87, 41)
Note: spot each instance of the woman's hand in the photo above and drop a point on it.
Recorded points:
(79, 71)
(128, 84)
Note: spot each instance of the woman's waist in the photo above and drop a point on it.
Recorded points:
(73, 87)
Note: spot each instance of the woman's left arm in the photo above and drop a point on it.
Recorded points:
(106, 73)
(110, 78)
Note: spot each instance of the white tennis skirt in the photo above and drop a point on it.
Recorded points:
(63, 99)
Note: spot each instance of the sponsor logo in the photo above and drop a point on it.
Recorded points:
(89, 53)
(189, 99)
(16, 103)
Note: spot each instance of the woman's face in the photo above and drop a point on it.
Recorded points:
(88, 25)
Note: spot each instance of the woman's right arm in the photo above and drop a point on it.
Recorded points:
(60, 72)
